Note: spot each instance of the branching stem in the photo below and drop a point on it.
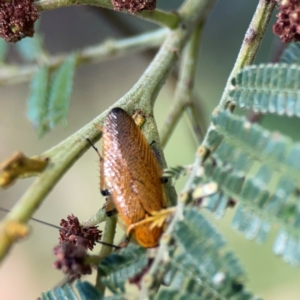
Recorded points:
(108, 237)
(160, 17)
(93, 54)
(183, 97)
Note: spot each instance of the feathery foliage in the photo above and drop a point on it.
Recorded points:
(37, 103)
(266, 192)
(60, 92)
(271, 88)
(48, 103)
(200, 266)
(116, 269)
(85, 290)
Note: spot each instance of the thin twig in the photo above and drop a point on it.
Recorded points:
(108, 237)
(183, 97)
(196, 114)
(251, 43)
(160, 17)
(96, 219)
(92, 54)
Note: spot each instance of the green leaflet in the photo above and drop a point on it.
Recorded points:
(31, 48)
(48, 103)
(60, 92)
(87, 291)
(37, 104)
(268, 88)
(291, 54)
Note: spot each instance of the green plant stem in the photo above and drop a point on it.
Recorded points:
(142, 96)
(196, 114)
(96, 219)
(108, 237)
(246, 55)
(183, 97)
(160, 17)
(251, 43)
(92, 54)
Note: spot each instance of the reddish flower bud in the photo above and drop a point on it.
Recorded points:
(17, 19)
(73, 232)
(287, 26)
(134, 6)
(70, 259)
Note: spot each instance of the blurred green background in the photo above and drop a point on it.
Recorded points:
(27, 270)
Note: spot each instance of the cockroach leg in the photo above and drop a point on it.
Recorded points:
(132, 226)
(104, 192)
(95, 148)
(111, 213)
(164, 180)
(111, 209)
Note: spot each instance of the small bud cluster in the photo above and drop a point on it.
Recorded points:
(134, 6)
(74, 241)
(71, 231)
(287, 26)
(71, 260)
(17, 19)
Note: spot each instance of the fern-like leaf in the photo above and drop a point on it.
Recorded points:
(116, 269)
(291, 54)
(275, 150)
(256, 167)
(204, 270)
(175, 172)
(37, 104)
(87, 291)
(271, 88)
(60, 92)
(67, 292)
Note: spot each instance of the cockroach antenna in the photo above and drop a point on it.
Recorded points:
(94, 147)
(71, 230)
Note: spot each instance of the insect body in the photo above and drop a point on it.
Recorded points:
(132, 175)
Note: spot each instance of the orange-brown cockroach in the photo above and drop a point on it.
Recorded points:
(132, 176)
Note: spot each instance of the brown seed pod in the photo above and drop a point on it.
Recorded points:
(132, 175)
